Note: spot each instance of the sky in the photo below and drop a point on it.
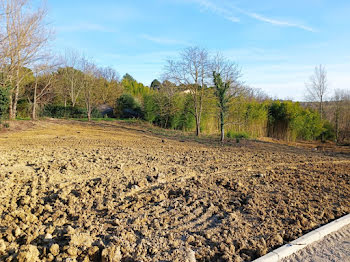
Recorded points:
(276, 43)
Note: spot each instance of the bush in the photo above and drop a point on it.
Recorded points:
(95, 113)
(24, 108)
(328, 131)
(59, 111)
(290, 121)
(127, 107)
(183, 119)
(168, 112)
(239, 135)
(4, 102)
(149, 108)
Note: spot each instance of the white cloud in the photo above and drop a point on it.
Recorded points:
(278, 22)
(208, 5)
(228, 11)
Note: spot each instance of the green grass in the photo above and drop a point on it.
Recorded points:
(23, 118)
(237, 135)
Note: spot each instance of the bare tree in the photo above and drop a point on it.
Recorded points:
(24, 36)
(44, 80)
(110, 89)
(71, 76)
(228, 70)
(341, 99)
(317, 87)
(169, 88)
(2, 37)
(255, 93)
(191, 70)
(89, 83)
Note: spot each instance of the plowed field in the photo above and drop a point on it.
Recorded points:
(73, 191)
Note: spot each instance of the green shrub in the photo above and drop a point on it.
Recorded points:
(24, 108)
(4, 102)
(95, 113)
(239, 135)
(59, 111)
(149, 108)
(290, 121)
(328, 131)
(168, 111)
(127, 107)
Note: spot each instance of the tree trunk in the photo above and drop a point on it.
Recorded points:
(89, 115)
(198, 126)
(14, 104)
(197, 116)
(222, 126)
(34, 112)
(34, 104)
(10, 106)
(337, 125)
(88, 109)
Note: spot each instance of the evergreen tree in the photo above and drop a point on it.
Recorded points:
(156, 85)
(221, 92)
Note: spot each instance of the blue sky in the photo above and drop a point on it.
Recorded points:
(276, 43)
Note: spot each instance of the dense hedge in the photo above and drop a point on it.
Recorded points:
(59, 111)
(288, 120)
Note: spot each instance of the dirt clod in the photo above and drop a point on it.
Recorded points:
(2, 247)
(28, 253)
(55, 249)
(111, 254)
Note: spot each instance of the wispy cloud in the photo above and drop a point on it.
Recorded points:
(277, 22)
(163, 40)
(219, 10)
(85, 27)
(229, 12)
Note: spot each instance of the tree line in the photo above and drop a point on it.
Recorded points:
(198, 91)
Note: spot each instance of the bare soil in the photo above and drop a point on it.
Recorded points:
(74, 191)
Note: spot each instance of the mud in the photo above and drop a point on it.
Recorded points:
(74, 191)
